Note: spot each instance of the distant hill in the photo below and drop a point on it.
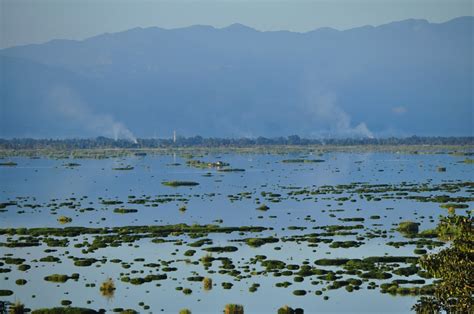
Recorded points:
(403, 78)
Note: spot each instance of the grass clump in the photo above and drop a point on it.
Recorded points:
(179, 183)
(5, 293)
(263, 207)
(454, 205)
(331, 262)
(107, 288)
(231, 170)
(50, 259)
(187, 291)
(207, 283)
(123, 168)
(299, 292)
(257, 242)
(227, 285)
(64, 219)
(189, 253)
(8, 164)
(125, 210)
(296, 161)
(408, 227)
(234, 309)
(21, 282)
(17, 308)
(57, 278)
(221, 249)
(84, 262)
(288, 310)
(65, 310)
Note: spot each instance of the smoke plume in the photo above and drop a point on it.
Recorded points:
(69, 105)
(328, 115)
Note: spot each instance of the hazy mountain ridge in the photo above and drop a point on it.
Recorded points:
(401, 78)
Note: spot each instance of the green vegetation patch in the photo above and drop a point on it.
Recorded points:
(302, 160)
(408, 227)
(66, 310)
(125, 210)
(179, 183)
(5, 293)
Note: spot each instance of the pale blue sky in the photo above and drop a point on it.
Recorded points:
(36, 21)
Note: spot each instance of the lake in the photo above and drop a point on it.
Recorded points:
(268, 236)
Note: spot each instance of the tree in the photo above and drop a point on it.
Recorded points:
(453, 266)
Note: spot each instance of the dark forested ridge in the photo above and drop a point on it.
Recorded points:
(198, 141)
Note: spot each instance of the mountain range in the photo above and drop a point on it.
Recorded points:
(397, 79)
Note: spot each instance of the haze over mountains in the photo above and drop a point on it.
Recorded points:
(403, 78)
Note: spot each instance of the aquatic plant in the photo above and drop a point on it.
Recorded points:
(453, 267)
(66, 310)
(125, 210)
(57, 278)
(64, 219)
(84, 262)
(230, 170)
(285, 310)
(234, 309)
(207, 283)
(227, 285)
(107, 288)
(302, 160)
(123, 168)
(5, 293)
(8, 163)
(408, 227)
(331, 262)
(189, 253)
(71, 164)
(221, 249)
(180, 183)
(257, 242)
(288, 310)
(299, 292)
(453, 205)
(17, 308)
(187, 291)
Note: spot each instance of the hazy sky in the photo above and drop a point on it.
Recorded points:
(36, 21)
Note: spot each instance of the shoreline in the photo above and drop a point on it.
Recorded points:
(457, 150)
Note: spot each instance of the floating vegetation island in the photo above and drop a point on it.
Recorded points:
(8, 163)
(297, 161)
(123, 168)
(179, 183)
(204, 165)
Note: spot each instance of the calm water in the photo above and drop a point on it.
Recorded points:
(43, 180)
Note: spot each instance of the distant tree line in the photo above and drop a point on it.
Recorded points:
(199, 141)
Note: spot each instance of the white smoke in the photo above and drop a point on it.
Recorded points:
(325, 111)
(68, 104)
